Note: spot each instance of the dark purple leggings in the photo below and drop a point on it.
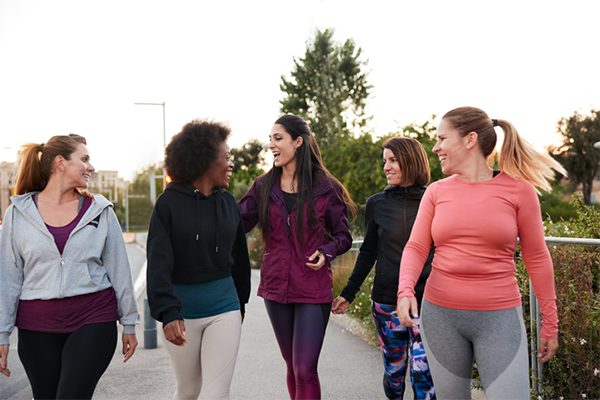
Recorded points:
(300, 330)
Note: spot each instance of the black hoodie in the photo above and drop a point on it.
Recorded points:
(192, 239)
(389, 218)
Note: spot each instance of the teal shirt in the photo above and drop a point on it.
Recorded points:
(207, 299)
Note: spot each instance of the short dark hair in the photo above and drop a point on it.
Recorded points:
(192, 151)
(412, 159)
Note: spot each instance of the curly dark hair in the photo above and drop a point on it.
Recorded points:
(191, 152)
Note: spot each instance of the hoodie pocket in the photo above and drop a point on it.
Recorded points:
(77, 275)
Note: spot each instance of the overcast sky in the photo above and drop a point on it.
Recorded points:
(79, 66)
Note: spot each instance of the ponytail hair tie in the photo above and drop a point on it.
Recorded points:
(42, 147)
(494, 122)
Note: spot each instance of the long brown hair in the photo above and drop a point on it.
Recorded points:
(36, 162)
(518, 158)
(309, 172)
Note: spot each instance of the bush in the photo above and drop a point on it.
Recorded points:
(255, 248)
(361, 306)
(575, 369)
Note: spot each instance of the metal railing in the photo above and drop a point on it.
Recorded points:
(534, 307)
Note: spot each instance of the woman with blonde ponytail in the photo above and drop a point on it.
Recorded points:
(472, 306)
(64, 273)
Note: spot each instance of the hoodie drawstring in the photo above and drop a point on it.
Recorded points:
(218, 200)
(218, 194)
(198, 213)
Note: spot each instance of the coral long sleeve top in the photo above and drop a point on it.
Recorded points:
(475, 227)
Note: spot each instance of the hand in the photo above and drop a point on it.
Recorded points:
(546, 349)
(4, 360)
(129, 344)
(339, 305)
(406, 305)
(175, 332)
(320, 261)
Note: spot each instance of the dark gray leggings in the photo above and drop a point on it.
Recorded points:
(497, 340)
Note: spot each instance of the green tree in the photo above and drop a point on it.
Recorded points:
(249, 160)
(576, 153)
(140, 208)
(250, 155)
(356, 162)
(329, 88)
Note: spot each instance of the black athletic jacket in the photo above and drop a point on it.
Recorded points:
(389, 218)
(192, 239)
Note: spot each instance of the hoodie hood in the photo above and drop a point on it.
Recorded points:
(25, 205)
(414, 192)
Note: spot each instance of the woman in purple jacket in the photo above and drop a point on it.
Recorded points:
(302, 213)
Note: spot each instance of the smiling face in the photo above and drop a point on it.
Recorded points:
(283, 147)
(78, 168)
(221, 169)
(450, 148)
(391, 168)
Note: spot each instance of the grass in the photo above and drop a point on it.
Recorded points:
(360, 309)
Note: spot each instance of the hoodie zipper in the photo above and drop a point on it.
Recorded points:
(62, 277)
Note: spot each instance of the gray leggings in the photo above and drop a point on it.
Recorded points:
(496, 339)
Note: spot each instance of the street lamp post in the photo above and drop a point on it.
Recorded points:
(163, 106)
(149, 322)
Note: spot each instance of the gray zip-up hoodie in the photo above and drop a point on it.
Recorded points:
(31, 267)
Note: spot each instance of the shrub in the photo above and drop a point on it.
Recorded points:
(575, 369)
(255, 248)
(360, 308)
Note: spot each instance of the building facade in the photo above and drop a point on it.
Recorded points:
(7, 183)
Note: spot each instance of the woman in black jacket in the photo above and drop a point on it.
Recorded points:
(389, 218)
(198, 266)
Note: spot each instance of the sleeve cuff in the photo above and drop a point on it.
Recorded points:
(128, 329)
(4, 338)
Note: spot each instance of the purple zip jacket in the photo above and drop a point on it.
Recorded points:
(285, 278)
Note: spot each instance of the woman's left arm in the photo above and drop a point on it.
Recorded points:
(537, 257)
(240, 270)
(116, 263)
(337, 223)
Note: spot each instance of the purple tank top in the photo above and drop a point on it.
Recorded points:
(70, 313)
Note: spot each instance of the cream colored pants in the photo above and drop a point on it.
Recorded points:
(208, 358)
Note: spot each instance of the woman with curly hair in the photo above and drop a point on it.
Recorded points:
(64, 273)
(198, 265)
(302, 213)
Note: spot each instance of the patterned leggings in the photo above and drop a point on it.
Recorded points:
(398, 344)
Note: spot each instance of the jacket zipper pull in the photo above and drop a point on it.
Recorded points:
(217, 249)
(288, 220)
(196, 236)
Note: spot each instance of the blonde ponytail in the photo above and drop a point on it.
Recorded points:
(521, 160)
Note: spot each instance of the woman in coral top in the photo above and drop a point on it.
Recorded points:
(472, 305)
